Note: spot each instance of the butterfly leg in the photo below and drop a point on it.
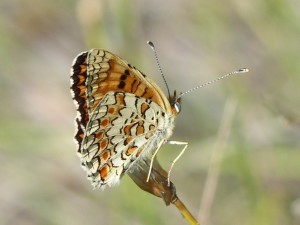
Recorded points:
(185, 144)
(152, 159)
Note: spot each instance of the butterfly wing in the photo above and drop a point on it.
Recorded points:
(122, 128)
(117, 106)
(98, 72)
(108, 72)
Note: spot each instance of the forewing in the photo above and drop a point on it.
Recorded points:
(108, 72)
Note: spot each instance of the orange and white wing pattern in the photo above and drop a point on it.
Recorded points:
(122, 115)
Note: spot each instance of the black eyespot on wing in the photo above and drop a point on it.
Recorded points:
(121, 84)
(127, 73)
(123, 77)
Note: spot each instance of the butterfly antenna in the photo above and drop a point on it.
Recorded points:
(239, 71)
(150, 43)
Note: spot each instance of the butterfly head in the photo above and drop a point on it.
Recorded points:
(175, 102)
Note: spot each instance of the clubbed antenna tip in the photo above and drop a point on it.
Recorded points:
(150, 43)
(243, 70)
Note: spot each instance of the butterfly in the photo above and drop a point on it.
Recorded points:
(123, 116)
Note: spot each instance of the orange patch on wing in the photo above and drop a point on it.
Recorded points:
(149, 94)
(82, 91)
(104, 122)
(131, 150)
(81, 78)
(128, 139)
(99, 135)
(144, 92)
(103, 144)
(104, 172)
(105, 155)
(140, 130)
(127, 130)
(134, 84)
(144, 107)
(81, 136)
(111, 110)
(120, 100)
(82, 68)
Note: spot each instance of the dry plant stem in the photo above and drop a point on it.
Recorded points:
(216, 159)
(159, 185)
(185, 212)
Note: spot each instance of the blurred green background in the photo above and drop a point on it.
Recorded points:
(259, 180)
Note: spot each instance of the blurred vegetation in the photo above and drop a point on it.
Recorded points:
(259, 180)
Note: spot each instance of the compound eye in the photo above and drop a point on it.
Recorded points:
(177, 107)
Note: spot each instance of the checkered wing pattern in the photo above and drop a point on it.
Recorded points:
(122, 115)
